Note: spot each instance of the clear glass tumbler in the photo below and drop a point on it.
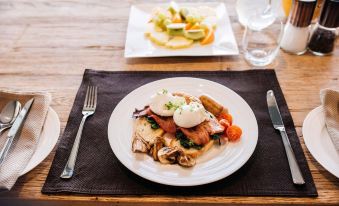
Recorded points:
(261, 40)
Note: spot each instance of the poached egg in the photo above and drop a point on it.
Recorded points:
(190, 115)
(164, 103)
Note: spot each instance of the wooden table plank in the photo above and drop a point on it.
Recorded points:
(46, 45)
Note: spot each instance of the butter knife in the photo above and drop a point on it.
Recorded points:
(279, 125)
(15, 129)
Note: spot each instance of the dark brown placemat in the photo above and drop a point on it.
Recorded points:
(98, 171)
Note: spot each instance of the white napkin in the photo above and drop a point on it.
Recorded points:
(24, 145)
(330, 103)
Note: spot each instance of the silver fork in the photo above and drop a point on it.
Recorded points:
(88, 110)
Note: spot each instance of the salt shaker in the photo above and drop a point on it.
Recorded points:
(323, 36)
(297, 29)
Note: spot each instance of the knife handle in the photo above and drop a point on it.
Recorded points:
(5, 149)
(294, 167)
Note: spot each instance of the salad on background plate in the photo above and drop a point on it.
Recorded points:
(179, 27)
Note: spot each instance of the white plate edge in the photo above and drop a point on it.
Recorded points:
(53, 113)
(310, 115)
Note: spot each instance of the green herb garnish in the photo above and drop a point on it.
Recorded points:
(185, 142)
(154, 124)
(164, 91)
(170, 105)
(180, 135)
(215, 136)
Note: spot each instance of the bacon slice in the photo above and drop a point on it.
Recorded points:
(166, 123)
(213, 126)
(198, 134)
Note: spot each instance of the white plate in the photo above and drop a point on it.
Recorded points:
(217, 163)
(137, 45)
(48, 139)
(318, 141)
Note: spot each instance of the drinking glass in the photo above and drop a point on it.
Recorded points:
(246, 8)
(261, 39)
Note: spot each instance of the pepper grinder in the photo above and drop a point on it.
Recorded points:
(324, 32)
(297, 29)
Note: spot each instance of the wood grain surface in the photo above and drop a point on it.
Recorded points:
(46, 45)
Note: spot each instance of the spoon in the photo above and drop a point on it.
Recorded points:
(268, 10)
(8, 114)
(262, 19)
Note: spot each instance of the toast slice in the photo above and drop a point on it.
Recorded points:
(143, 129)
(194, 153)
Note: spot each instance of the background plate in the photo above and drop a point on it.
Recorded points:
(318, 141)
(137, 45)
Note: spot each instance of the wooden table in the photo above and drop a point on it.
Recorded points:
(46, 45)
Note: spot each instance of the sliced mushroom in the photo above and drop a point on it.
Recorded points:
(185, 160)
(139, 145)
(158, 144)
(168, 155)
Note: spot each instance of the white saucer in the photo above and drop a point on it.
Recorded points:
(48, 139)
(318, 141)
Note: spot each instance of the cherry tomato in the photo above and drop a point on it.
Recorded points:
(226, 116)
(233, 133)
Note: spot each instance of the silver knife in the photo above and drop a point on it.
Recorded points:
(14, 129)
(279, 125)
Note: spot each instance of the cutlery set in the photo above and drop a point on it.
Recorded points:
(8, 115)
(13, 117)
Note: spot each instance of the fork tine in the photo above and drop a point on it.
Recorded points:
(90, 97)
(87, 96)
(95, 96)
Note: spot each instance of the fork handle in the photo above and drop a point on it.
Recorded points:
(69, 168)
(297, 177)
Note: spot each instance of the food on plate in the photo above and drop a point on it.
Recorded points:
(178, 127)
(189, 115)
(179, 42)
(178, 27)
(212, 106)
(195, 34)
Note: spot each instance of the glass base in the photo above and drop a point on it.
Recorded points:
(259, 58)
(295, 53)
(319, 53)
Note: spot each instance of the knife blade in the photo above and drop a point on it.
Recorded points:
(278, 124)
(15, 129)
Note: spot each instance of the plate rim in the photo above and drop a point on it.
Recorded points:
(56, 118)
(312, 114)
(234, 169)
(236, 51)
